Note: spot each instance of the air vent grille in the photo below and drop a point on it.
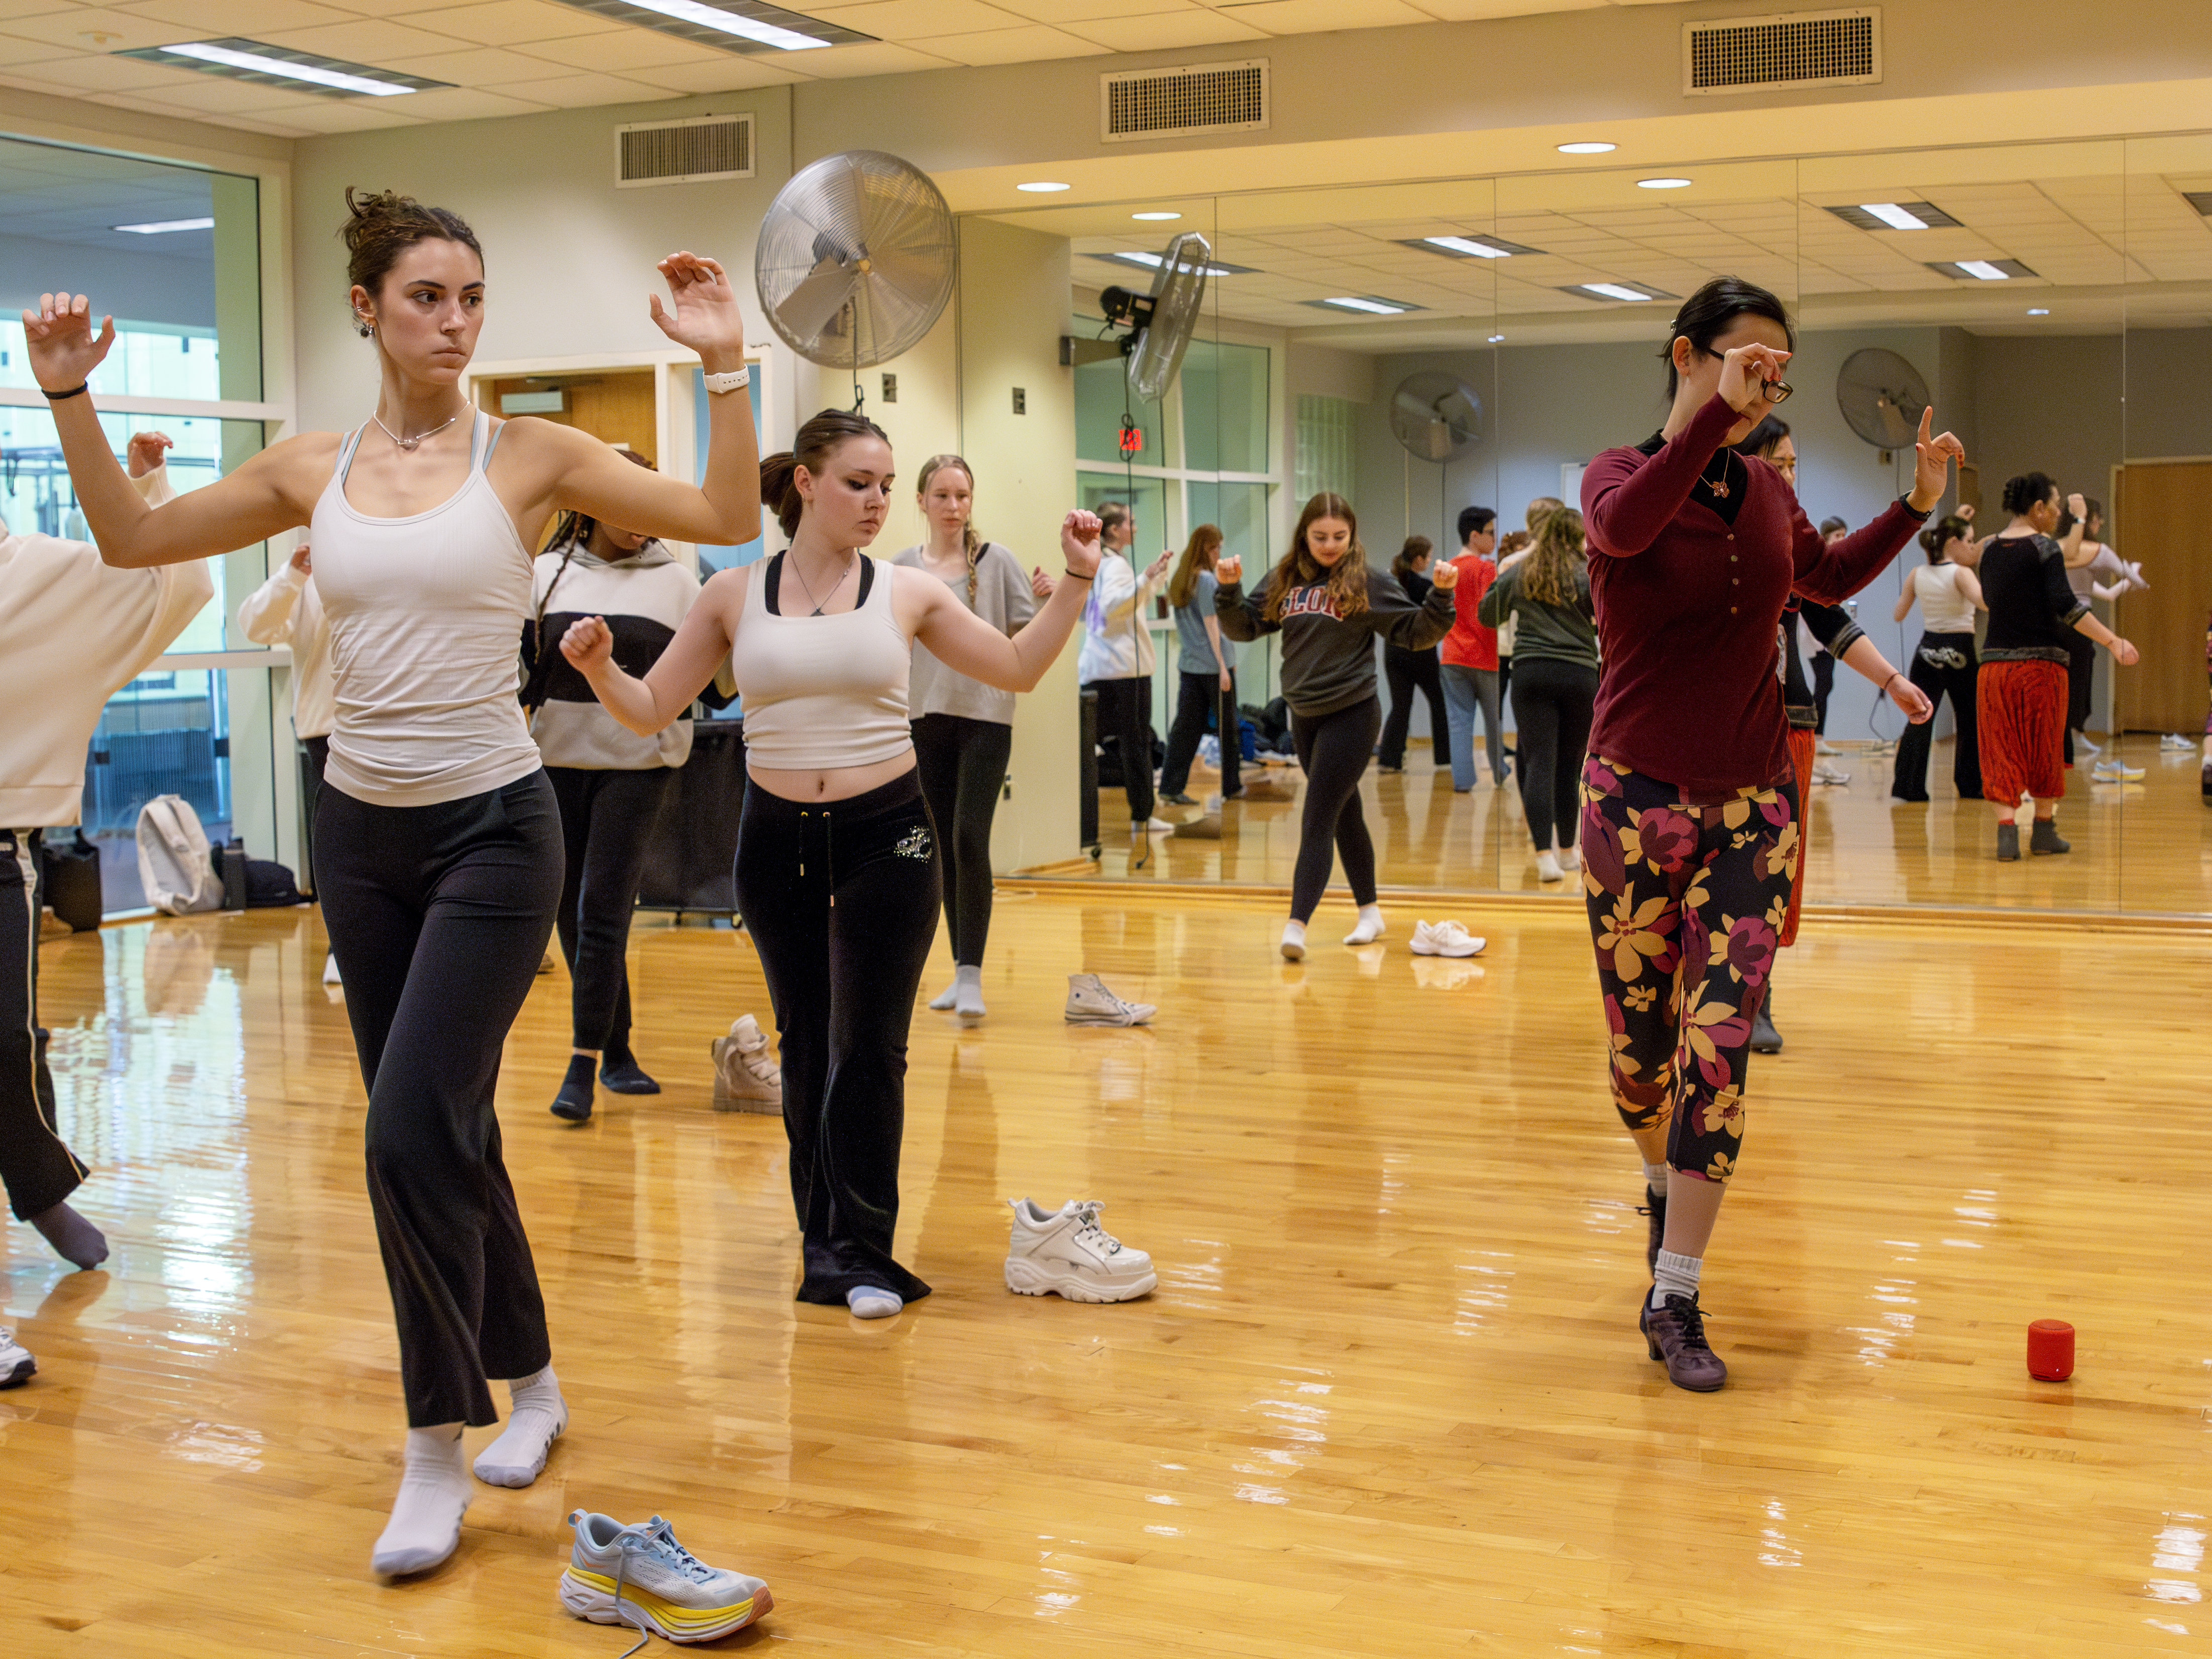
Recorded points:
(1170, 103)
(684, 152)
(1797, 49)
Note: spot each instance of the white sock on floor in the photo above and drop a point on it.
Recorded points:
(1676, 1275)
(873, 1301)
(1294, 941)
(968, 991)
(426, 1517)
(1654, 1177)
(1369, 926)
(538, 1415)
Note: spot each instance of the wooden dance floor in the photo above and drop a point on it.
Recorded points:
(1388, 1399)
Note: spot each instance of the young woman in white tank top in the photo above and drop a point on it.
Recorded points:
(437, 843)
(837, 870)
(1944, 664)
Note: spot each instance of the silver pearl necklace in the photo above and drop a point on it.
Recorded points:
(409, 443)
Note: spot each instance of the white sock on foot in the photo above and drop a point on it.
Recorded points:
(968, 992)
(944, 1000)
(1369, 926)
(538, 1415)
(873, 1301)
(1675, 1275)
(1547, 865)
(1654, 1177)
(1571, 858)
(1294, 941)
(425, 1527)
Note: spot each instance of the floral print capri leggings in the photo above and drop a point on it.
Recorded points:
(1686, 906)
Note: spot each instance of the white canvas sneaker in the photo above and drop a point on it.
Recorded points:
(2173, 743)
(746, 1077)
(642, 1577)
(2112, 771)
(1445, 939)
(16, 1365)
(1065, 1252)
(1090, 1003)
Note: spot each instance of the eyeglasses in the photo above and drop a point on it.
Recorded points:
(1775, 392)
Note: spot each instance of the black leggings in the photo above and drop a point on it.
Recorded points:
(36, 1164)
(962, 763)
(1943, 665)
(1407, 672)
(1334, 748)
(1552, 701)
(841, 898)
(2081, 684)
(607, 821)
(1125, 714)
(315, 754)
(1198, 695)
(438, 916)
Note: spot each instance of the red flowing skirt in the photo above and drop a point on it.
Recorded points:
(2019, 716)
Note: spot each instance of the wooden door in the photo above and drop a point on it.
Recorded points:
(2162, 516)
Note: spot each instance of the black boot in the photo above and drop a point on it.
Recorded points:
(620, 1071)
(1765, 1039)
(2008, 843)
(574, 1103)
(2044, 838)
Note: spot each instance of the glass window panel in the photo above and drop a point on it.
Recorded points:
(1102, 398)
(1240, 511)
(1328, 446)
(1225, 407)
(1147, 500)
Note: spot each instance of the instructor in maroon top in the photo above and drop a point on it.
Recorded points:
(1689, 834)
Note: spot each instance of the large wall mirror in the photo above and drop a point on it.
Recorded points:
(2048, 301)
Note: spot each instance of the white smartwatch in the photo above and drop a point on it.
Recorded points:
(731, 382)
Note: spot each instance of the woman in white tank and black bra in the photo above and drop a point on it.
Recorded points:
(837, 871)
(1944, 664)
(437, 840)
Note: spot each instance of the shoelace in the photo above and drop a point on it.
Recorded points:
(1088, 1229)
(657, 1539)
(1693, 1318)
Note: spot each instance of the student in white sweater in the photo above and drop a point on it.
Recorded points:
(1116, 661)
(287, 610)
(73, 632)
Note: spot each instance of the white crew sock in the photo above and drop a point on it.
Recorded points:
(1675, 1275)
(1654, 1177)
(968, 991)
(944, 1000)
(1294, 941)
(873, 1301)
(425, 1527)
(1570, 857)
(1547, 865)
(1369, 926)
(538, 1415)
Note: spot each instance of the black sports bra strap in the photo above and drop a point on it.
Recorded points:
(867, 579)
(768, 585)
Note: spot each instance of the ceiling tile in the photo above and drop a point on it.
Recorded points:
(1315, 16)
(844, 63)
(1165, 31)
(1462, 11)
(101, 74)
(465, 104)
(216, 96)
(910, 19)
(15, 50)
(509, 22)
(92, 29)
(371, 41)
(732, 72)
(1042, 11)
(578, 91)
(350, 115)
(481, 66)
(635, 48)
(211, 20)
(1029, 45)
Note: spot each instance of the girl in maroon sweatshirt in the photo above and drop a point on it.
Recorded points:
(1689, 834)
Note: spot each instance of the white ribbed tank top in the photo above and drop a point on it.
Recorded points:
(1944, 606)
(426, 613)
(822, 691)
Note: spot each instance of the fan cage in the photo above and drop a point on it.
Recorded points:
(1798, 49)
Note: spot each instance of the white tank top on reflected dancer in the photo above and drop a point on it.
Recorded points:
(425, 614)
(1944, 606)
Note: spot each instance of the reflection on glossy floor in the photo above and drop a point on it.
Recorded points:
(2137, 846)
(1387, 1399)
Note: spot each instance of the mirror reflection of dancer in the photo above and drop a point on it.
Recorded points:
(73, 632)
(1408, 672)
(1944, 664)
(1329, 606)
(437, 845)
(2080, 533)
(611, 785)
(2021, 692)
(1205, 672)
(837, 872)
(1115, 661)
(287, 610)
(964, 728)
(1689, 830)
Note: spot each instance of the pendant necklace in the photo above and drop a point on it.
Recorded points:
(1720, 489)
(409, 443)
(809, 592)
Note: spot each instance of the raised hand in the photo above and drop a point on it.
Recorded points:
(1916, 704)
(64, 348)
(1229, 570)
(301, 562)
(1079, 542)
(1040, 584)
(1446, 575)
(705, 314)
(146, 451)
(589, 644)
(1744, 374)
(2078, 505)
(1931, 467)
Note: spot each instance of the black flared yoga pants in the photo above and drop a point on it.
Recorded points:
(440, 915)
(1407, 672)
(36, 1164)
(1335, 750)
(1552, 703)
(1125, 714)
(607, 821)
(1198, 695)
(841, 898)
(963, 766)
(1943, 666)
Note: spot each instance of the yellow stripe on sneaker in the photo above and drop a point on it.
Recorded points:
(689, 1620)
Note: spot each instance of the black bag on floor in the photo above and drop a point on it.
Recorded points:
(72, 873)
(269, 884)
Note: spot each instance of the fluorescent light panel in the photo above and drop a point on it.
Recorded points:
(740, 26)
(1370, 304)
(1152, 261)
(1617, 291)
(1984, 271)
(1896, 216)
(254, 60)
(162, 227)
(1473, 246)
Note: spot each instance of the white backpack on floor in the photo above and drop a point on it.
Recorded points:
(175, 866)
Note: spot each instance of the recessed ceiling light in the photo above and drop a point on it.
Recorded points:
(1372, 306)
(1042, 186)
(1471, 247)
(1980, 270)
(1588, 147)
(2038, 311)
(1616, 291)
(1896, 217)
(250, 60)
(1984, 270)
(1155, 216)
(161, 227)
(1151, 262)
(733, 22)
(1495, 338)
(755, 24)
(1662, 184)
